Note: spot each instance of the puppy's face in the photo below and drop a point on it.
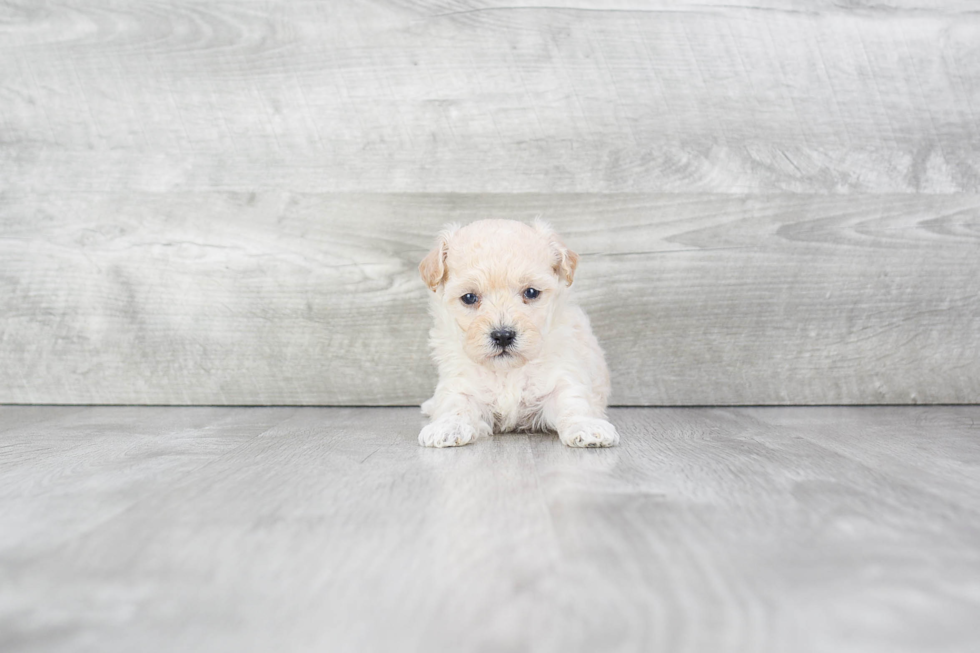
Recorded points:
(500, 281)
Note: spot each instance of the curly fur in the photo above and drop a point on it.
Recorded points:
(553, 377)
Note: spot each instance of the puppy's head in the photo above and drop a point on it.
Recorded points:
(500, 282)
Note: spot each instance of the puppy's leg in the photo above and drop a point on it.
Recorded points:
(579, 421)
(457, 419)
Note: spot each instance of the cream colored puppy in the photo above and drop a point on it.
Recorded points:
(514, 350)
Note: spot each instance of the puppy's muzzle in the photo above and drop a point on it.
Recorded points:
(503, 338)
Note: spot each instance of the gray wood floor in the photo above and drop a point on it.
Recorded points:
(291, 529)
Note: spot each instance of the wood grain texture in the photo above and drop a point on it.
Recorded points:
(134, 452)
(490, 96)
(312, 529)
(224, 202)
(315, 299)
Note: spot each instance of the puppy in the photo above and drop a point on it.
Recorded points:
(514, 350)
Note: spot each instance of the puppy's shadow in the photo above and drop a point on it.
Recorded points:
(545, 448)
(548, 449)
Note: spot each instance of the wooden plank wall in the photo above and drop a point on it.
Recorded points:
(224, 202)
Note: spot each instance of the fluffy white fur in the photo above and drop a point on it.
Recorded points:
(553, 377)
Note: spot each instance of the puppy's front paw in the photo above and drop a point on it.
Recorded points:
(447, 431)
(589, 432)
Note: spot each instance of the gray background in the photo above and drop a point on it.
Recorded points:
(225, 202)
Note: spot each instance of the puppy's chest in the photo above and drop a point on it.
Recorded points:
(515, 401)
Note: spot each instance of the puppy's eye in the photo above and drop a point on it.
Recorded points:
(469, 299)
(531, 293)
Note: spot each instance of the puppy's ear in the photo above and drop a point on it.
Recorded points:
(564, 260)
(433, 266)
(567, 261)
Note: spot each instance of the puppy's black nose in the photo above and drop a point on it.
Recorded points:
(502, 337)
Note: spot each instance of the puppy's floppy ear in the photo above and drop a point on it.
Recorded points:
(564, 260)
(433, 266)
